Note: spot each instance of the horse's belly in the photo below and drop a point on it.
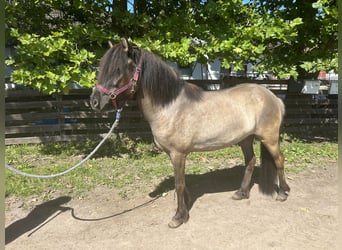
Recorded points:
(216, 137)
(213, 143)
(189, 142)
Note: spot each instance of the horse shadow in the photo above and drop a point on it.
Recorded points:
(216, 181)
(37, 218)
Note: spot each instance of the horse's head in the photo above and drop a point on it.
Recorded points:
(119, 72)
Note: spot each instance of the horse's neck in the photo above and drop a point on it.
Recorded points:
(155, 113)
(148, 109)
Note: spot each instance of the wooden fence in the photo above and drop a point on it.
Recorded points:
(35, 118)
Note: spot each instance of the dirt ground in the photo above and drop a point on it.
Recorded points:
(102, 220)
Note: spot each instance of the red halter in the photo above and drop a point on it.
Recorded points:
(130, 84)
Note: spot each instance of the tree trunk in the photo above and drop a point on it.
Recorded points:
(140, 7)
(118, 13)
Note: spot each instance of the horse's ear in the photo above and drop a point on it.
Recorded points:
(110, 44)
(129, 48)
(125, 44)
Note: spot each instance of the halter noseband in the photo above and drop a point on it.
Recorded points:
(131, 84)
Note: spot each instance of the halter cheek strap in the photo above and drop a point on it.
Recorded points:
(131, 84)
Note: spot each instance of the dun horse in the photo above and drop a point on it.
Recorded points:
(184, 118)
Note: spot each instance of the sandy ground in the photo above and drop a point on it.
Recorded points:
(102, 220)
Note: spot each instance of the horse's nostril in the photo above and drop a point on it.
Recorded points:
(95, 103)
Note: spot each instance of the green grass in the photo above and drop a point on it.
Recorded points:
(133, 166)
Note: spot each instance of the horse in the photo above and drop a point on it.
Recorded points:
(185, 118)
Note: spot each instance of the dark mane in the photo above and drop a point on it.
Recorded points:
(158, 80)
(162, 82)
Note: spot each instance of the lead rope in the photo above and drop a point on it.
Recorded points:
(115, 124)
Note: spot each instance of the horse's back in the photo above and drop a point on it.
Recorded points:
(257, 104)
(267, 108)
(257, 95)
(232, 114)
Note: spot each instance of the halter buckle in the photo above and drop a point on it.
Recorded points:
(134, 83)
(112, 96)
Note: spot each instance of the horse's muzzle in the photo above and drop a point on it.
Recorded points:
(94, 100)
(100, 102)
(94, 103)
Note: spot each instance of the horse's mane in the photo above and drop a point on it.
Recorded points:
(162, 82)
(158, 80)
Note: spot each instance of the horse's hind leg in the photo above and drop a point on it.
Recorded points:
(274, 150)
(183, 201)
(248, 152)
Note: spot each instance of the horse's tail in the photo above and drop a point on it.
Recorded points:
(268, 172)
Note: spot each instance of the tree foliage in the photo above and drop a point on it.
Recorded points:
(51, 63)
(58, 41)
(315, 47)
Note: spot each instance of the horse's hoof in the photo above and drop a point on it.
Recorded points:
(239, 195)
(282, 196)
(175, 223)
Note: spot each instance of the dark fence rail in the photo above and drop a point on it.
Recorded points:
(32, 117)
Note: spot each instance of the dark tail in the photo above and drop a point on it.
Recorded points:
(268, 172)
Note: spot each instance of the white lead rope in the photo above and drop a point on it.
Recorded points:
(115, 124)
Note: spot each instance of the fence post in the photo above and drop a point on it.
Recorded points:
(59, 107)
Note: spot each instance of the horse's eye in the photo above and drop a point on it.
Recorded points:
(117, 71)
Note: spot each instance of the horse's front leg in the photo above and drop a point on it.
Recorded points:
(183, 201)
